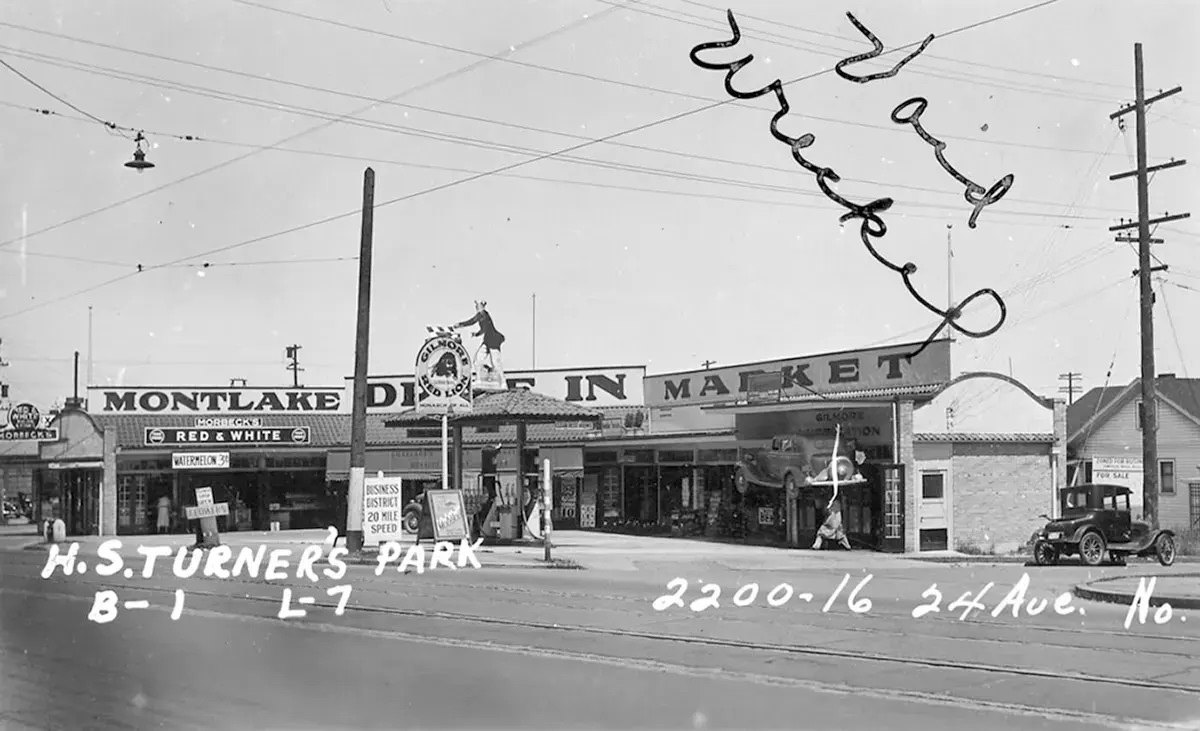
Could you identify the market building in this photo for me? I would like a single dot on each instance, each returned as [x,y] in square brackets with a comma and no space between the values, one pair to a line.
[280,456]
[1105,444]
[964,462]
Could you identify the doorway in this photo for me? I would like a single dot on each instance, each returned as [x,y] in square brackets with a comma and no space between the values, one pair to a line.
[933,510]
[80,490]
[893,508]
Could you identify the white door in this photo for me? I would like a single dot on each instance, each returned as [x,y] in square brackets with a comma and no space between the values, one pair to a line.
[933,510]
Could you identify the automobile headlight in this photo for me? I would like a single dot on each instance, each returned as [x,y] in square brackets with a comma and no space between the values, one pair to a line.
[1054,535]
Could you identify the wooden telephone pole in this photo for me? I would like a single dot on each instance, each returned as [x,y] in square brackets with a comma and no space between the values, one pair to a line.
[1074,386]
[293,353]
[1144,272]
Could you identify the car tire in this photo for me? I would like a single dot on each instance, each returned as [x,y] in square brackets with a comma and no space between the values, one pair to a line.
[1164,549]
[1092,548]
[412,520]
[1045,554]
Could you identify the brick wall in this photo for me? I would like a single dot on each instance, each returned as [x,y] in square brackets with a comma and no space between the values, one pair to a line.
[999,491]
[912,488]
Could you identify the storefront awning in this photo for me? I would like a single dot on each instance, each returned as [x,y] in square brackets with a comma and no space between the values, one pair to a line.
[827,401]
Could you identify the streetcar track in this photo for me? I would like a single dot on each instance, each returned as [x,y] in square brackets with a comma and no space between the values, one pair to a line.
[977,619]
[712,673]
[936,618]
[790,649]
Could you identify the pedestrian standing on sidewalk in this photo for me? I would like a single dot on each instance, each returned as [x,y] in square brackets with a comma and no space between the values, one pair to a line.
[164,514]
[831,529]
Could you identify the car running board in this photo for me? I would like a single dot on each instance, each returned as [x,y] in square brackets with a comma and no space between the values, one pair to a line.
[1131,547]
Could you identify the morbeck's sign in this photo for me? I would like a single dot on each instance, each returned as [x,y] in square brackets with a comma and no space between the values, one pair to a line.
[216,400]
[187,436]
[857,370]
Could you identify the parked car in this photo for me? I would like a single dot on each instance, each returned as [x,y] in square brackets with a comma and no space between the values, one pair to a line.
[783,464]
[1097,520]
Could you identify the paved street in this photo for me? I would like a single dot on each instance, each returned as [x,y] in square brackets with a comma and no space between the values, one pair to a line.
[509,647]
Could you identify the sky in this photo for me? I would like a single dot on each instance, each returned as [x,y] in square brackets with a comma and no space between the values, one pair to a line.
[686,234]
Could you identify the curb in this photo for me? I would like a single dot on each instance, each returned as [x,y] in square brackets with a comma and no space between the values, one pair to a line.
[1090,592]
[559,564]
[970,559]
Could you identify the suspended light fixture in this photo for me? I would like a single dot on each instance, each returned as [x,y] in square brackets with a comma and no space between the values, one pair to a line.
[139,162]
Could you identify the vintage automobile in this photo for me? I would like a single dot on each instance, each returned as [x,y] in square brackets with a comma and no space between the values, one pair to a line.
[791,462]
[784,464]
[1097,519]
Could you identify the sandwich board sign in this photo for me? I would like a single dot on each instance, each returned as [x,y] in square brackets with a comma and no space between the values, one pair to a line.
[449,515]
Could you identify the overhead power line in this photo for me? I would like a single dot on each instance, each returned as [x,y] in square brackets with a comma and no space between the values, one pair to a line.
[706,22]
[723,180]
[258,101]
[521,163]
[925,55]
[353,114]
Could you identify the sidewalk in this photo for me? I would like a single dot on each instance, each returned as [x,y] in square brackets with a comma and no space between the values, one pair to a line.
[569,549]
[1181,591]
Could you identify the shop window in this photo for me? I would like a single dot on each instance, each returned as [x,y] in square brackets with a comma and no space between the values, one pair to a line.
[305,462]
[677,456]
[144,464]
[423,432]
[1194,503]
[487,430]
[638,456]
[1166,476]
[529,462]
[243,461]
[710,456]
[599,457]
[933,486]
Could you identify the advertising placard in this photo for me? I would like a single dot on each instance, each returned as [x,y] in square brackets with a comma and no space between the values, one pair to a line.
[200,461]
[206,511]
[443,373]
[173,436]
[449,515]
[382,510]
[23,423]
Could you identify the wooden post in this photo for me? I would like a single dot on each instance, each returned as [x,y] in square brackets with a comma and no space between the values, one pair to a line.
[520,505]
[547,506]
[358,422]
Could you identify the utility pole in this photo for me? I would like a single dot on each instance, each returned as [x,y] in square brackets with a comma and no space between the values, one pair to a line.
[950,273]
[534,338]
[708,363]
[90,372]
[1144,272]
[1071,388]
[293,352]
[358,423]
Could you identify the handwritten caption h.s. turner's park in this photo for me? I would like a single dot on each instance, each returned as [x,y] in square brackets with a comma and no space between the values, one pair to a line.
[1014,602]
[254,563]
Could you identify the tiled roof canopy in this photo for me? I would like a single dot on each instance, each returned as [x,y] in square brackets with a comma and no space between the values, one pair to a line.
[511,406]
[980,437]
